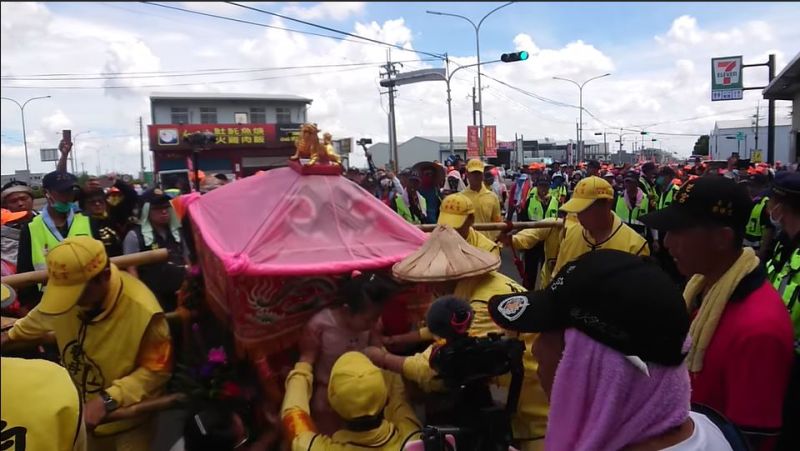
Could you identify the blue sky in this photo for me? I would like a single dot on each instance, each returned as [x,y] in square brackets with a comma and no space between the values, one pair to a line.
[658,54]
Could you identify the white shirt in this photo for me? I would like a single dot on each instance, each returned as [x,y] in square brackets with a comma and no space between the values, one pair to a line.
[706,437]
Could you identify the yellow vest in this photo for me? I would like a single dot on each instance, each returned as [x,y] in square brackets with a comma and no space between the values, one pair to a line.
[42,239]
[578,242]
[41,409]
[111,343]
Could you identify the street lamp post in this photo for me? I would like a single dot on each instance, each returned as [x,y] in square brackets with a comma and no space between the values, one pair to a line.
[580,107]
[605,144]
[24,135]
[478,51]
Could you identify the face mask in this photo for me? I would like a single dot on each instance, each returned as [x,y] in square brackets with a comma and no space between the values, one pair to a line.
[660,181]
[62,207]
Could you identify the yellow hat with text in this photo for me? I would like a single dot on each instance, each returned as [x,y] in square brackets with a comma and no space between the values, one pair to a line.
[454,210]
[70,266]
[356,387]
[586,192]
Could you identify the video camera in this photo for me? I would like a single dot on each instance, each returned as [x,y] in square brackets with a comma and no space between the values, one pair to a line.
[466,365]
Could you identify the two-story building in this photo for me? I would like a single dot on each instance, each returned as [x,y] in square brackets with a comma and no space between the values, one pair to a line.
[252,131]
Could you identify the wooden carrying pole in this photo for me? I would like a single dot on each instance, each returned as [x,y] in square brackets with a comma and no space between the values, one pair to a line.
[500,226]
[123,261]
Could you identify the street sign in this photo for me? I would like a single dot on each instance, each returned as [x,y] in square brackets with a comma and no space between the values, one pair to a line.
[472,141]
[415,76]
[490,140]
[756,157]
[726,78]
[740,136]
[49,154]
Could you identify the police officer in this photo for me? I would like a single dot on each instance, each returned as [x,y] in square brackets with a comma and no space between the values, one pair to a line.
[760,232]
[783,270]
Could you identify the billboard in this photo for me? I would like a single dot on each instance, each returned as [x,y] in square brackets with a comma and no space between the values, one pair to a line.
[49,155]
[726,78]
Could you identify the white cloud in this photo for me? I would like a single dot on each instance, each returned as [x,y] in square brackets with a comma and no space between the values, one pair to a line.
[336,11]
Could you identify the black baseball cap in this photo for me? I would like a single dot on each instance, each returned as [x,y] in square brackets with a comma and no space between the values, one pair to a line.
[623,301]
[786,184]
[155,197]
[709,200]
[60,181]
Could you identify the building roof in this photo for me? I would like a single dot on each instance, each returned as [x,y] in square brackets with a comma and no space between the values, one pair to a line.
[227,96]
[786,85]
[747,123]
[443,139]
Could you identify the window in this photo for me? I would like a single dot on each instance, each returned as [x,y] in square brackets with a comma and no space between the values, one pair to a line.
[283,115]
[208,115]
[179,115]
[240,118]
[258,116]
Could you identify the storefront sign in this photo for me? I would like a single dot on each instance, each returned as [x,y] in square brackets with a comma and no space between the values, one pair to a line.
[173,137]
[726,78]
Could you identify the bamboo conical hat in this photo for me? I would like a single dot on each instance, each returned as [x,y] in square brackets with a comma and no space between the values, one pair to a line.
[445,256]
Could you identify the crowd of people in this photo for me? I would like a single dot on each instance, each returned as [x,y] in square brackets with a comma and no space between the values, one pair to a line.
[658,307]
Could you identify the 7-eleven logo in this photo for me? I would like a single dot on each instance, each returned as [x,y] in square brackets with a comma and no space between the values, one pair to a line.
[727,72]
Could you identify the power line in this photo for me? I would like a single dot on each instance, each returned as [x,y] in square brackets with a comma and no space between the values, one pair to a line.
[184,73]
[334,30]
[186,84]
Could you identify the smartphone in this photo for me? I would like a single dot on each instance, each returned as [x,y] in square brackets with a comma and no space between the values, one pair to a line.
[66,136]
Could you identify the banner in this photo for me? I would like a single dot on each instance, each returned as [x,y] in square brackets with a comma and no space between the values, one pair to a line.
[472,141]
[490,140]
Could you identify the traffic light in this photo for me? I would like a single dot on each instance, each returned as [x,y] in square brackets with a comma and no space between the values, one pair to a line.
[512,57]
[643,133]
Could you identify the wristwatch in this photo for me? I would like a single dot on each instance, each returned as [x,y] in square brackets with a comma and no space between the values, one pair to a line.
[110,403]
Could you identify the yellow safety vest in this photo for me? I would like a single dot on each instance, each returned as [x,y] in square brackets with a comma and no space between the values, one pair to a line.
[42,239]
[404,211]
[108,348]
[535,210]
[786,281]
[41,408]
[667,196]
[559,192]
[630,216]
[755,227]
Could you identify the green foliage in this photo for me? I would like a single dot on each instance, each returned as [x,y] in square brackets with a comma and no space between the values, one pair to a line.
[701,146]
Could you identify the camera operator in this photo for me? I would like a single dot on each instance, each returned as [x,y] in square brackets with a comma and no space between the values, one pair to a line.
[612,361]
[453,267]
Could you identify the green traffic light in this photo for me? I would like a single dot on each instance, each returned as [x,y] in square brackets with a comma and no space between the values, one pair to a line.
[523,55]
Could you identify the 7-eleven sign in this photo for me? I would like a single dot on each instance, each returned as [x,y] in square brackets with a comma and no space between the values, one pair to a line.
[726,78]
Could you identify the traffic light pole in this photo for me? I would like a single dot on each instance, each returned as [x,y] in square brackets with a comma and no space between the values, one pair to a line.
[770,108]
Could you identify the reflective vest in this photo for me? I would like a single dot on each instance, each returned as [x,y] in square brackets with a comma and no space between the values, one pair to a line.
[755,228]
[667,197]
[404,211]
[649,191]
[786,281]
[630,216]
[559,192]
[536,211]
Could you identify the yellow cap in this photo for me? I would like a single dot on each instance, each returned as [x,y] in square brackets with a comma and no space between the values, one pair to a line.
[586,192]
[454,210]
[475,165]
[70,265]
[7,295]
[356,387]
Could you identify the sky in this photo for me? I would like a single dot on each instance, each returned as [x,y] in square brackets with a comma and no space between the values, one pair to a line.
[658,55]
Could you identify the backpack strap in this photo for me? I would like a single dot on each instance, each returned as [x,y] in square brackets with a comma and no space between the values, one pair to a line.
[729,430]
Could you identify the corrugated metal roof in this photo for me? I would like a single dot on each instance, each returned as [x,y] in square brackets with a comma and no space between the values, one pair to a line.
[747,123]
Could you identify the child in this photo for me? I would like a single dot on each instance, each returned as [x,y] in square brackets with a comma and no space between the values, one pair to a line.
[351,324]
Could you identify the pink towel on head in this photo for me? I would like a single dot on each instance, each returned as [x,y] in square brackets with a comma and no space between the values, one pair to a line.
[601,401]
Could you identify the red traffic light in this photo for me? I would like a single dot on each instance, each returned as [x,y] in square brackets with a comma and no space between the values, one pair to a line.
[512,57]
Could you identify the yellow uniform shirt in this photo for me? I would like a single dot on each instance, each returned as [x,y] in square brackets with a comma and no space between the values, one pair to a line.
[551,237]
[126,350]
[480,241]
[399,420]
[487,207]
[531,418]
[41,409]
[578,242]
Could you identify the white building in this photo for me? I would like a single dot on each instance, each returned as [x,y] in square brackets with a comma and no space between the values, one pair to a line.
[419,148]
[34,180]
[729,137]
[786,86]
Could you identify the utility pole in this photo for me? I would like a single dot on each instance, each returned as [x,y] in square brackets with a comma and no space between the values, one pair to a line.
[576,152]
[771,115]
[390,72]
[141,149]
[474,105]
[758,117]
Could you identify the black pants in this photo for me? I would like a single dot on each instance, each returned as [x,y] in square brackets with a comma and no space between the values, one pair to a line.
[533,258]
